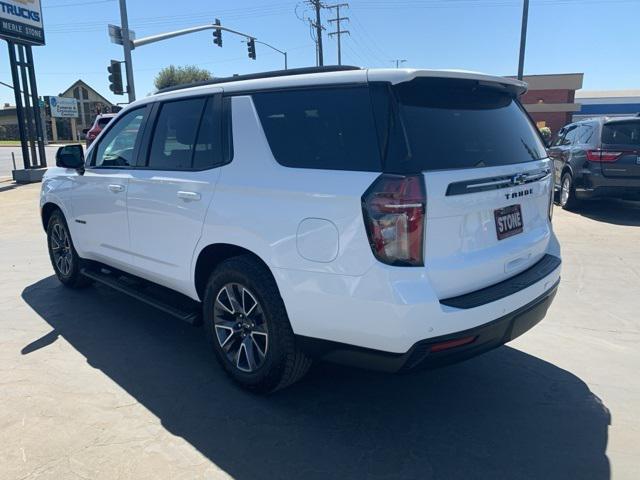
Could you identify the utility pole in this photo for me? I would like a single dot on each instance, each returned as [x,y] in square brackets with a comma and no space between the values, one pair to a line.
[339,32]
[523,38]
[126,44]
[398,62]
[318,25]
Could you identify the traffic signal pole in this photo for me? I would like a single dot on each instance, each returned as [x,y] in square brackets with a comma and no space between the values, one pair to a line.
[127,45]
[130,44]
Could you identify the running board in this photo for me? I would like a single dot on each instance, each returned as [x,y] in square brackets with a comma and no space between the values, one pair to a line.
[189,314]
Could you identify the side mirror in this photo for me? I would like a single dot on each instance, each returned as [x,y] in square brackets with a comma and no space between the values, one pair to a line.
[85,130]
[71,156]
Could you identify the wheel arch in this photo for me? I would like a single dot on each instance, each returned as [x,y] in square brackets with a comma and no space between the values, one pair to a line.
[212,255]
[46,211]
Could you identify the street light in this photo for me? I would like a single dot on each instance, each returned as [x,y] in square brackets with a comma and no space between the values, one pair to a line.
[276,49]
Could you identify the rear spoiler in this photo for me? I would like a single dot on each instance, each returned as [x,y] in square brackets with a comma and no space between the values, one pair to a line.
[396,76]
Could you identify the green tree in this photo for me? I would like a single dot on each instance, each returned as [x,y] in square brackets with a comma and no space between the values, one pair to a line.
[171,76]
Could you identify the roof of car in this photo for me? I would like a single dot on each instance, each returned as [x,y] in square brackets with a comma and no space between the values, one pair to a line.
[622,119]
[325,76]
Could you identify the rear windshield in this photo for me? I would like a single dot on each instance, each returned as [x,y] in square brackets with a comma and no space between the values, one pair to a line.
[622,133]
[450,123]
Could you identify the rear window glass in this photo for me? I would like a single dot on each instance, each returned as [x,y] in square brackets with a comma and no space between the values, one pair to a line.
[325,128]
[622,133]
[102,122]
[450,123]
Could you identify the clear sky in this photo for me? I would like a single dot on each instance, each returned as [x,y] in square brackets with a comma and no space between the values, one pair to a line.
[597,37]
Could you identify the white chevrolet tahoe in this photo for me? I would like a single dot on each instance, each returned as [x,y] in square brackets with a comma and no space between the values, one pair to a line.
[388,219]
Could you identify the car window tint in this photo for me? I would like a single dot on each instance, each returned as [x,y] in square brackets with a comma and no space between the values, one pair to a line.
[207,150]
[175,133]
[570,136]
[451,123]
[585,134]
[625,134]
[117,146]
[324,128]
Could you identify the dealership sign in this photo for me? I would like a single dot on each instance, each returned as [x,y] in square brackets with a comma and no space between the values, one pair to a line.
[63,107]
[21,21]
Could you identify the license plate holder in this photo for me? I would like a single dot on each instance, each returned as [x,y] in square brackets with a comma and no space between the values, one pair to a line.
[509,221]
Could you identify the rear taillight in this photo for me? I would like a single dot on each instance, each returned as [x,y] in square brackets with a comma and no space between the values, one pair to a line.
[394,209]
[603,155]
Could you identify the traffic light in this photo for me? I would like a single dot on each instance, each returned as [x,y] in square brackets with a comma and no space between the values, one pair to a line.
[251,46]
[217,34]
[115,77]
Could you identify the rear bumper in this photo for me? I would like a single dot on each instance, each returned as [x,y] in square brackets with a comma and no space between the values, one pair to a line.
[428,353]
[595,185]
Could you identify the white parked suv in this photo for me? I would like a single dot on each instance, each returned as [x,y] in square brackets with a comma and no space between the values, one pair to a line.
[388,219]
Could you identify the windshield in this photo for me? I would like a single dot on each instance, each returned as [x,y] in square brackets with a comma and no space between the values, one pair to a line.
[451,123]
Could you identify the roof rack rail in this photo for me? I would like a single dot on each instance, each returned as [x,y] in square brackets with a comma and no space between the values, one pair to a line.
[270,74]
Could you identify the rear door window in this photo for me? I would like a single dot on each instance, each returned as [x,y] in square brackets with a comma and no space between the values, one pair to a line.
[451,123]
[622,134]
[585,134]
[174,137]
[323,128]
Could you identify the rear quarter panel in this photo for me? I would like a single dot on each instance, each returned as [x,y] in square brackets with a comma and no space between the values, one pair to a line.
[259,204]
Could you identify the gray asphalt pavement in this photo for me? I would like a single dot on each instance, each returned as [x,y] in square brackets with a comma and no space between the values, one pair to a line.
[6,164]
[96,385]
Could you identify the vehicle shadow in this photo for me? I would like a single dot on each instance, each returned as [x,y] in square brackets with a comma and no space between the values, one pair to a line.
[503,415]
[609,210]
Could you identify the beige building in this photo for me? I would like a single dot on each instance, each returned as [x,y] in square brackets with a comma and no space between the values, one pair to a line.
[90,104]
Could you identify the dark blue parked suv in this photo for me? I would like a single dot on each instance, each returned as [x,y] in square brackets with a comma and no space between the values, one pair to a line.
[597,158]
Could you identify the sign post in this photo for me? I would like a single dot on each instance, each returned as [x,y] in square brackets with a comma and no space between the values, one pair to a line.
[21,26]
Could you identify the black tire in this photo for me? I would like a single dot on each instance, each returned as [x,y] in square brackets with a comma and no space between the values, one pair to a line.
[64,258]
[278,362]
[568,200]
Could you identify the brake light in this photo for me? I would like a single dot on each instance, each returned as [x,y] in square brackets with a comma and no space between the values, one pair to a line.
[603,155]
[394,209]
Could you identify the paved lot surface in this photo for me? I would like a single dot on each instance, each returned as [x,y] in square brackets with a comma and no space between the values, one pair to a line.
[6,164]
[95,385]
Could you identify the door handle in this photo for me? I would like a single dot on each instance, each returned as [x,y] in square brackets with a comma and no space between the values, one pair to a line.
[115,188]
[189,196]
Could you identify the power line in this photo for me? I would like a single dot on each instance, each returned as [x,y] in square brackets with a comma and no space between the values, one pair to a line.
[446,4]
[76,4]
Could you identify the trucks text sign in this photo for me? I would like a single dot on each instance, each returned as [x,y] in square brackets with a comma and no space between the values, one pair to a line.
[21,21]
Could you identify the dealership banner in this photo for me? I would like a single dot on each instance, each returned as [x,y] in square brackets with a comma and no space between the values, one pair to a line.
[21,21]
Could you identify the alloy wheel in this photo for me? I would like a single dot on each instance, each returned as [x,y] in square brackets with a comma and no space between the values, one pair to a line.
[241,327]
[566,189]
[61,249]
